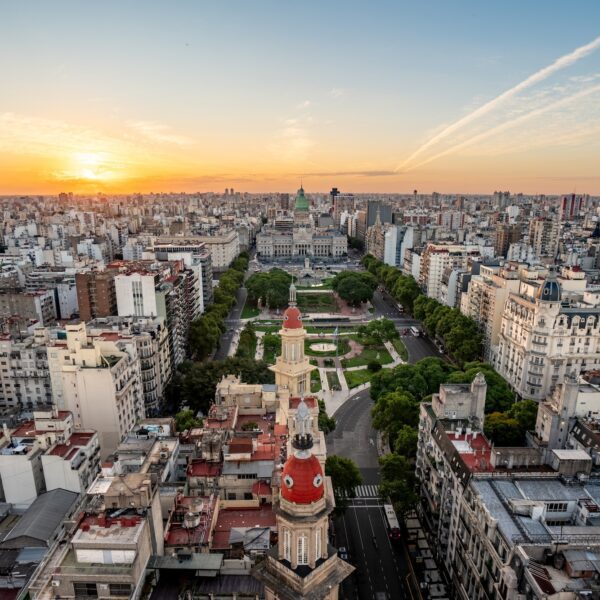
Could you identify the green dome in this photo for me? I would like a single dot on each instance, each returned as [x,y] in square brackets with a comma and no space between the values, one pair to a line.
[301,201]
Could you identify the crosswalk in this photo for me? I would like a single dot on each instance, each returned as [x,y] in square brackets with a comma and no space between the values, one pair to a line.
[367,491]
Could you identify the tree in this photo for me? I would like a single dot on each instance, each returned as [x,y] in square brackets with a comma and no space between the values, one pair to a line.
[374,366]
[354,292]
[525,412]
[247,342]
[345,476]
[186,420]
[326,423]
[394,410]
[399,482]
[405,443]
[273,287]
[199,380]
[503,429]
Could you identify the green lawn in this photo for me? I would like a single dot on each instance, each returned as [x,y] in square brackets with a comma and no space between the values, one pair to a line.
[261,326]
[342,344]
[249,312]
[356,378]
[315,382]
[332,378]
[378,353]
[400,348]
[341,329]
[316,302]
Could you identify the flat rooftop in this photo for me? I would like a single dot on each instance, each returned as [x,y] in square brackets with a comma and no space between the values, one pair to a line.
[71,448]
[474,451]
[101,529]
[241,518]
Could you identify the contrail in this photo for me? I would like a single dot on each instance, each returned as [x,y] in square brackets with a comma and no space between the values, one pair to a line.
[503,126]
[560,63]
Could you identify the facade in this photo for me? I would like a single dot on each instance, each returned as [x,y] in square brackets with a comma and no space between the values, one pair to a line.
[506,234]
[151,338]
[37,306]
[96,294]
[436,258]
[292,369]
[99,381]
[485,299]
[24,375]
[507,522]
[296,238]
[224,248]
[543,236]
[545,336]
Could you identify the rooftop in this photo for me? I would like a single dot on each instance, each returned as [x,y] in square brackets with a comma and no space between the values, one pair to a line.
[77,440]
[249,518]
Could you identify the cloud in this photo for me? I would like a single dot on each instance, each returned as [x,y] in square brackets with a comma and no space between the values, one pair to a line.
[305,104]
[158,132]
[365,173]
[337,92]
[508,125]
[560,63]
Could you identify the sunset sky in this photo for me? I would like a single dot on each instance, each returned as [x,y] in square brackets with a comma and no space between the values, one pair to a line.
[380,96]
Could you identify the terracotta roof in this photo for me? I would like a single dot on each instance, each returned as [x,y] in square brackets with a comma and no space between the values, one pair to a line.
[292,318]
[302,480]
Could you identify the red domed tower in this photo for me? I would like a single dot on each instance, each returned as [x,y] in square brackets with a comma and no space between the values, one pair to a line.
[303,510]
[292,369]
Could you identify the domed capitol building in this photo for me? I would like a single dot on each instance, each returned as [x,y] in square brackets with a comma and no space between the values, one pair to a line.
[299,237]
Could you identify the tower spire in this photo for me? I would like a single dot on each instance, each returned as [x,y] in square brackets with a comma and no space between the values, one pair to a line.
[292,300]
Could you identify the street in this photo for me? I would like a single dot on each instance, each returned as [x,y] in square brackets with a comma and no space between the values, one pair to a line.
[418,347]
[362,530]
[232,323]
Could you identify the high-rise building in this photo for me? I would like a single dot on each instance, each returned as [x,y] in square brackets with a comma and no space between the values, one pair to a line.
[506,234]
[99,381]
[96,293]
[543,236]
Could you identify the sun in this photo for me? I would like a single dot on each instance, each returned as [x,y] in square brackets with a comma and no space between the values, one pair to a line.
[92,165]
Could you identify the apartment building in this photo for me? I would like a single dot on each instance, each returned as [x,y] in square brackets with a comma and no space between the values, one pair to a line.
[545,335]
[164,289]
[111,544]
[505,522]
[224,248]
[99,381]
[544,236]
[96,293]
[29,307]
[24,375]
[151,337]
[485,298]
[436,258]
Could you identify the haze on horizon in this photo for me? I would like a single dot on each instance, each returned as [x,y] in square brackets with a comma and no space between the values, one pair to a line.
[197,96]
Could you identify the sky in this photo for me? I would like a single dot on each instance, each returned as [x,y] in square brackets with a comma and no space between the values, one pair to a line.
[195,96]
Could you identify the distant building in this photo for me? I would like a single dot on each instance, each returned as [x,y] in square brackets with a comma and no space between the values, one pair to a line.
[96,294]
[506,234]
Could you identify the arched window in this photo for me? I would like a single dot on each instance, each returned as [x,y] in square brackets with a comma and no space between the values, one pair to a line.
[318,544]
[287,545]
[302,558]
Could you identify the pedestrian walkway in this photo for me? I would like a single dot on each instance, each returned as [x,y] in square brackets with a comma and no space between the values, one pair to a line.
[367,491]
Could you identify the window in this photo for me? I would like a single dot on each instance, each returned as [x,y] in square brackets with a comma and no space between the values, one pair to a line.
[85,590]
[287,542]
[120,589]
[556,507]
[318,544]
[302,550]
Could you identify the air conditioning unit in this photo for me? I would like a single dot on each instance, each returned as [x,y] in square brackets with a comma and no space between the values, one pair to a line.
[55,583]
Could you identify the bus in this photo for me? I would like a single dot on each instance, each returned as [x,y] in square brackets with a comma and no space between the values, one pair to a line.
[392,522]
[415,331]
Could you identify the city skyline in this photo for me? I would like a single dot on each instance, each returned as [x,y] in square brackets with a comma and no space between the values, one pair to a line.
[456,99]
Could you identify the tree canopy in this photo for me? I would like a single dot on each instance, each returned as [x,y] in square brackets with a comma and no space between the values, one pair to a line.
[354,288]
[345,476]
[195,383]
[186,419]
[272,287]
